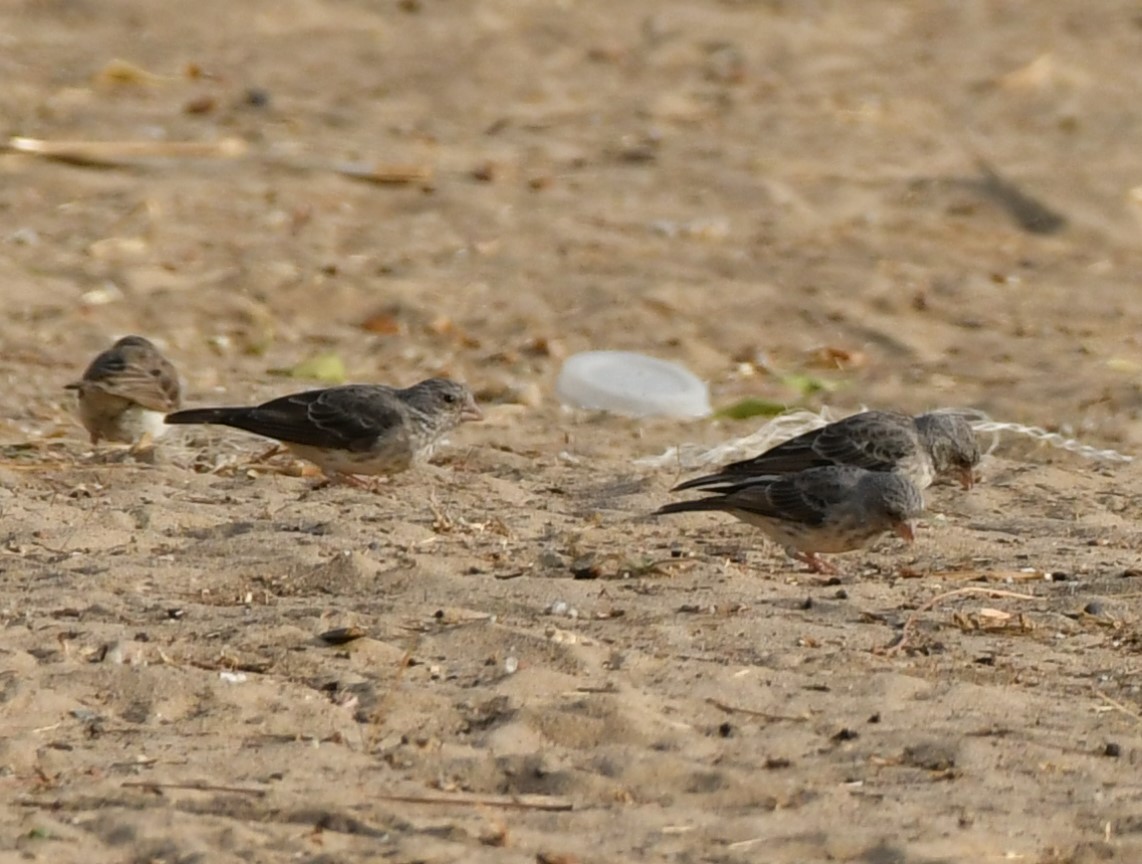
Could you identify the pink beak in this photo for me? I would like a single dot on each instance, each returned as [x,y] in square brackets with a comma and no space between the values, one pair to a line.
[904,531]
[471,411]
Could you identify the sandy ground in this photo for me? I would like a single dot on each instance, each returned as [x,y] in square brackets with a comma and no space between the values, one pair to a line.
[755,189]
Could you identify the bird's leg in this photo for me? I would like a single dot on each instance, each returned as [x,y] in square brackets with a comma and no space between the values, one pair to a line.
[146,442]
[369,484]
[272,451]
[815,563]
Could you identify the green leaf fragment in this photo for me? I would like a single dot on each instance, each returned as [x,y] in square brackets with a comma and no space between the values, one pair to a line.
[807,385]
[751,407]
[328,368]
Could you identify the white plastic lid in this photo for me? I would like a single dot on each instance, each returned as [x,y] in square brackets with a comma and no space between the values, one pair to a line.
[624,382]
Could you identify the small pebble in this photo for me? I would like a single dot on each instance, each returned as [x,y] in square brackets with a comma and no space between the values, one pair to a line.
[551,560]
[24,237]
[256,97]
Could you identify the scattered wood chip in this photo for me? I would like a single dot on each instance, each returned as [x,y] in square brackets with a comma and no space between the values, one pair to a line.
[384,175]
[114,153]
[342,635]
[994,614]
[384,323]
[120,73]
[828,357]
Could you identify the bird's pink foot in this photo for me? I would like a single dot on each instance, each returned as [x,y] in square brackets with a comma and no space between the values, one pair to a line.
[272,451]
[369,484]
[816,564]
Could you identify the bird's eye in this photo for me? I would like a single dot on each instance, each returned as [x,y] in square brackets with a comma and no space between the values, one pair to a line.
[451,398]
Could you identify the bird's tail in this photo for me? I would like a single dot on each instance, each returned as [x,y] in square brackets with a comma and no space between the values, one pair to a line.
[691,506]
[214,416]
[730,480]
[698,482]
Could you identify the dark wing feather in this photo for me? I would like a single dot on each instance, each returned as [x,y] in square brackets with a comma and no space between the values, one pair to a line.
[806,498]
[776,499]
[357,416]
[343,418]
[873,440]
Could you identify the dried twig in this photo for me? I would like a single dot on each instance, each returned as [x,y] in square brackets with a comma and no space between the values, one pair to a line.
[153,786]
[733,709]
[1125,709]
[973,575]
[910,624]
[230,664]
[518,802]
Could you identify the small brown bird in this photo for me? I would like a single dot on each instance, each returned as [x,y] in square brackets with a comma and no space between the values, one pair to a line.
[125,392]
[835,508]
[366,429]
[924,447]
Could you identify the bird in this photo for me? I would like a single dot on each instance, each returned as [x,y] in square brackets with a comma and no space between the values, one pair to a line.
[925,447]
[125,392]
[831,508]
[354,429]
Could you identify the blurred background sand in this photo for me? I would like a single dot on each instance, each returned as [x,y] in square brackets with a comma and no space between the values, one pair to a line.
[785,197]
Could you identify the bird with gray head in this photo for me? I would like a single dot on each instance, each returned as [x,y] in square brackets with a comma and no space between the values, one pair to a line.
[356,429]
[834,508]
[929,446]
[125,392]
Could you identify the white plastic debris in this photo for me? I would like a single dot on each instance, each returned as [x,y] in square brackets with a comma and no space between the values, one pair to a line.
[785,426]
[771,433]
[631,384]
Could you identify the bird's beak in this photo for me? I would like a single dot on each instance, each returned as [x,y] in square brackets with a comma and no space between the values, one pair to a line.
[967,477]
[904,531]
[471,411]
